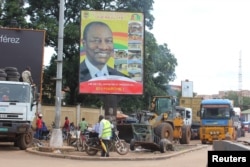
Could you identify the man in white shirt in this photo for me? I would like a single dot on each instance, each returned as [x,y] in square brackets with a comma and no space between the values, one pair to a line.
[26,76]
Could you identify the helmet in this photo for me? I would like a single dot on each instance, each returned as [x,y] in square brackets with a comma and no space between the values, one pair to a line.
[40,115]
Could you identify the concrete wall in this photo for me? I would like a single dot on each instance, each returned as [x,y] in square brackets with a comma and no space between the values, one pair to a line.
[91,115]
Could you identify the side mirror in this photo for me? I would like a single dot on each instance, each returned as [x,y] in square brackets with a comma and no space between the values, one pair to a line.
[232,113]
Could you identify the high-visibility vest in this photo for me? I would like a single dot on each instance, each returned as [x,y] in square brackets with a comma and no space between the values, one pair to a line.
[107,130]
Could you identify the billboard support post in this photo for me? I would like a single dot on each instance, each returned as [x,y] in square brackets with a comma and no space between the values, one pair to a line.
[110,107]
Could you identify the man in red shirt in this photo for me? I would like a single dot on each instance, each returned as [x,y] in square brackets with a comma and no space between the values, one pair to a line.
[66,124]
[39,125]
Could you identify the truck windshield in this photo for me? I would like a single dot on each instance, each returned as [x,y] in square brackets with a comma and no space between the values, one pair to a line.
[14,93]
[215,112]
[164,105]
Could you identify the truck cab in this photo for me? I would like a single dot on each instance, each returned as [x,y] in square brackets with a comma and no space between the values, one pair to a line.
[218,120]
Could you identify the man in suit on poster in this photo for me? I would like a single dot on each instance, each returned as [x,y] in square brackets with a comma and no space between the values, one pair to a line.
[99,47]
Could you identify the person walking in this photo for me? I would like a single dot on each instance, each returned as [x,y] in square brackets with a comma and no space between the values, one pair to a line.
[105,134]
[83,125]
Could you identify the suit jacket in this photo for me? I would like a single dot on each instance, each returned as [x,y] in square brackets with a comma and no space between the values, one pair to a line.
[85,74]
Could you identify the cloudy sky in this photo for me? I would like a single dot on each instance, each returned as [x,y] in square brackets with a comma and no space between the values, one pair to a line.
[207,37]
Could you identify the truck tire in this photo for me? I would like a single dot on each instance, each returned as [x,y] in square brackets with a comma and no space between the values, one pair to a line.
[165,131]
[203,142]
[4,75]
[13,74]
[10,69]
[25,140]
[186,135]
[2,78]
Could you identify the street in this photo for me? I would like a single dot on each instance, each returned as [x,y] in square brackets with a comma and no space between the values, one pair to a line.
[14,157]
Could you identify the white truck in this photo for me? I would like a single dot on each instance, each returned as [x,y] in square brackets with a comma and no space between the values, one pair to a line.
[17,113]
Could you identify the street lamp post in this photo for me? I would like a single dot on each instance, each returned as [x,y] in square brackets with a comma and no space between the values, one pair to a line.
[56,137]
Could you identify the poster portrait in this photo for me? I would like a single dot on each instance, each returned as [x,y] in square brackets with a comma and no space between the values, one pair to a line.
[111,53]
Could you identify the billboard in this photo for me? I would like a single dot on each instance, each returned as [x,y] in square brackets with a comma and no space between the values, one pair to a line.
[21,48]
[111,53]
[187,88]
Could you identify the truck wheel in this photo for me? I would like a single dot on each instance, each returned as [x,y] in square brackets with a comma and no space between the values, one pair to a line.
[10,69]
[164,131]
[25,140]
[132,145]
[203,142]
[186,135]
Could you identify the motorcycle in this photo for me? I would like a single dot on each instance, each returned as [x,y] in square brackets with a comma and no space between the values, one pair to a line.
[93,145]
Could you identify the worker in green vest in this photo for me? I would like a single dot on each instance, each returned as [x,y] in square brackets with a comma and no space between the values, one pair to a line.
[105,134]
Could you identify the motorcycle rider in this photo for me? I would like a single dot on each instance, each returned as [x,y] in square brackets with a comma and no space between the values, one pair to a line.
[105,134]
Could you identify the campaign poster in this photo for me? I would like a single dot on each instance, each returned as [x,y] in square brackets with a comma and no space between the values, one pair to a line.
[111,53]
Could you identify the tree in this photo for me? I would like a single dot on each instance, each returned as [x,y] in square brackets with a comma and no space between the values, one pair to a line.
[234,96]
[45,15]
[12,13]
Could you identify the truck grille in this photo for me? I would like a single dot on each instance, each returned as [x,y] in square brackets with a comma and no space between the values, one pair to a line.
[11,116]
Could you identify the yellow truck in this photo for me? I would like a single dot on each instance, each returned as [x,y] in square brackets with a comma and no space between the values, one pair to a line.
[194,104]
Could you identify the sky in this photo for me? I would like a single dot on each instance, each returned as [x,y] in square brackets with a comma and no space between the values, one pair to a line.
[209,39]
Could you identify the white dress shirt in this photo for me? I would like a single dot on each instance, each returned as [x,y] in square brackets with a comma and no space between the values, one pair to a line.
[95,72]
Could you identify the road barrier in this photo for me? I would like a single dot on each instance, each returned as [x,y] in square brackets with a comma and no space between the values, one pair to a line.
[225,145]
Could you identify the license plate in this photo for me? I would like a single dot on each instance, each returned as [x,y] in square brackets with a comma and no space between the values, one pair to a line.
[3,129]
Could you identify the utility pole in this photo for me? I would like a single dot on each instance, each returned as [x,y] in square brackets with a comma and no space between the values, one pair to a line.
[56,137]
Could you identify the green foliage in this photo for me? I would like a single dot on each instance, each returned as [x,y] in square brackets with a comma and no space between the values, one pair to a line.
[235,97]
[45,15]
[13,10]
